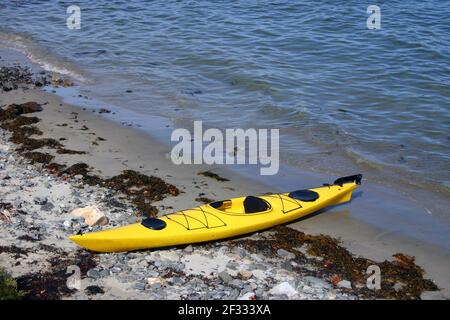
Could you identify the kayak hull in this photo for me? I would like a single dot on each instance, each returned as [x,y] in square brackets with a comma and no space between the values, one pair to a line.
[206,223]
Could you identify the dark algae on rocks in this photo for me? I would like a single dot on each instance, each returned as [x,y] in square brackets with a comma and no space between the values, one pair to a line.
[337,263]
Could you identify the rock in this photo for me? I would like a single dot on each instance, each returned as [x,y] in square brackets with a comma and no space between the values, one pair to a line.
[234,294]
[225,277]
[189,249]
[177,280]
[104,273]
[140,286]
[316,282]
[94,274]
[398,286]
[104,110]
[287,266]
[283,288]
[47,207]
[92,216]
[285,254]
[236,283]
[40,200]
[91,290]
[248,296]
[240,252]
[245,275]
[344,284]
[155,283]
[433,295]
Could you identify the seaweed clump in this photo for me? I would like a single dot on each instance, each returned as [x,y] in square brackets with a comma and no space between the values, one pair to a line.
[338,263]
[38,157]
[52,284]
[212,175]
[8,287]
[141,189]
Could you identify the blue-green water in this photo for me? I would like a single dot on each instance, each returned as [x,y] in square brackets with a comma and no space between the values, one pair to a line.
[346,98]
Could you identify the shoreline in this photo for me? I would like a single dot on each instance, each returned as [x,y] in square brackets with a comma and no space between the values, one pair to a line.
[123,148]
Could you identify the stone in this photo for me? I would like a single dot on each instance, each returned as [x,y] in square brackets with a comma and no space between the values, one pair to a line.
[153,281]
[92,216]
[245,274]
[317,282]
[398,286]
[140,286]
[285,254]
[248,296]
[40,200]
[94,274]
[344,284]
[177,280]
[236,283]
[225,277]
[433,295]
[47,207]
[189,249]
[287,266]
[67,223]
[283,288]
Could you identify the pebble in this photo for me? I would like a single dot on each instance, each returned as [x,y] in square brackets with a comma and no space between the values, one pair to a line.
[398,286]
[47,207]
[284,288]
[245,274]
[316,282]
[225,277]
[344,284]
[236,283]
[92,273]
[248,296]
[285,254]
[40,200]
[140,286]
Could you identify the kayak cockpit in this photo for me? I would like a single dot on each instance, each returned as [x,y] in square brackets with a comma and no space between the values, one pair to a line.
[246,205]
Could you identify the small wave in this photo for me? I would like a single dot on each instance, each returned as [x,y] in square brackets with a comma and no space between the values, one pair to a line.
[39,56]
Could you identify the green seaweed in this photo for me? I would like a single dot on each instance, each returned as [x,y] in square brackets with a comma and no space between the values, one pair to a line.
[8,287]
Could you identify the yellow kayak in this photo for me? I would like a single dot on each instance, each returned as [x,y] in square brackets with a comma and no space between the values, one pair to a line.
[220,219]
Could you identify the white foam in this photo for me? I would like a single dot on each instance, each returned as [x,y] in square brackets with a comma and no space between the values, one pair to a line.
[39,56]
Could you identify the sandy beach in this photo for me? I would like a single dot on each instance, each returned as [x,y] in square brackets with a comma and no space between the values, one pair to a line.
[314,258]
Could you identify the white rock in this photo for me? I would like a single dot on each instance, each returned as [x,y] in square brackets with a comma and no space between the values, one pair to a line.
[247,296]
[245,274]
[344,284]
[283,288]
[92,216]
[151,281]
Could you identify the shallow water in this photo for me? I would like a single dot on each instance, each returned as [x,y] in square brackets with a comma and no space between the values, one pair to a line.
[345,98]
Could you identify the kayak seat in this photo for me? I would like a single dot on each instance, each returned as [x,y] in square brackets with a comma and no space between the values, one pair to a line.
[304,195]
[255,204]
[153,223]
